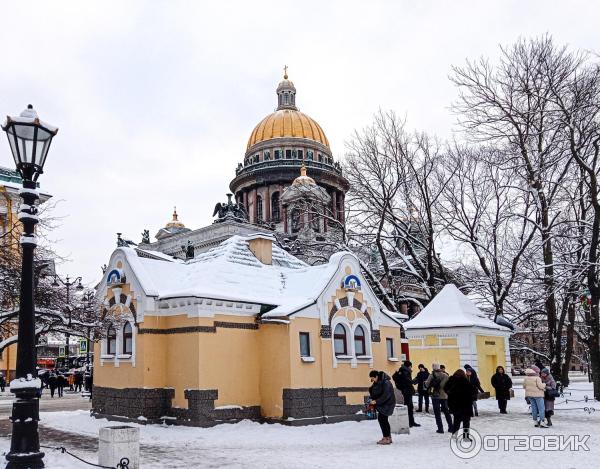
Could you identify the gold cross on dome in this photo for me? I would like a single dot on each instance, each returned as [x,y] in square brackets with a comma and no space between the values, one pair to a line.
[285,75]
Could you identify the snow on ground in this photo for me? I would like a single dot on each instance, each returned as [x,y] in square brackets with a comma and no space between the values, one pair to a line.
[350,444]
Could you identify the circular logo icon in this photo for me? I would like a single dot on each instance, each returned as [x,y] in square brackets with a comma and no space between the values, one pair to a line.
[466,444]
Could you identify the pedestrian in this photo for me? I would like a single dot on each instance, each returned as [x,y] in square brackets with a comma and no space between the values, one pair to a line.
[383,398]
[78,380]
[2,382]
[476,384]
[534,391]
[52,382]
[549,394]
[404,383]
[443,368]
[61,382]
[71,379]
[439,399]
[422,376]
[460,401]
[502,384]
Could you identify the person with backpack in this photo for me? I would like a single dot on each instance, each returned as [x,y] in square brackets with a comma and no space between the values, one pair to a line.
[439,399]
[404,382]
[422,376]
[383,398]
[502,384]
[476,385]
[534,392]
[460,401]
[550,393]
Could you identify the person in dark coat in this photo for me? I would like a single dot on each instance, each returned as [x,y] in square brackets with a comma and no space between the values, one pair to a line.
[383,398]
[52,382]
[2,382]
[550,383]
[404,382]
[502,384]
[460,401]
[61,382]
[476,384]
[78,381]
[539,364]
[422,376]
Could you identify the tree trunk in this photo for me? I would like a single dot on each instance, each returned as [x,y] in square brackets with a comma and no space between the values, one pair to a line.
[594,342]
[564,375]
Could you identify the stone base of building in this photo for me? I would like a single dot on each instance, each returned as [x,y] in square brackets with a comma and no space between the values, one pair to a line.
[300,407]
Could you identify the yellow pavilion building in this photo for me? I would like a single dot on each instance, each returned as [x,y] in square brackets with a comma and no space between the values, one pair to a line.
[451,330]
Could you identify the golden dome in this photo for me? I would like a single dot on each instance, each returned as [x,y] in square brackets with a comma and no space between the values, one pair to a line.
[287,123]
[175,223]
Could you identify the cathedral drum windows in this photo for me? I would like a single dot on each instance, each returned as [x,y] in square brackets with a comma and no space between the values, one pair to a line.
[275,208]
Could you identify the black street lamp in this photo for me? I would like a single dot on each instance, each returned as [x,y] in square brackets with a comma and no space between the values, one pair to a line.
[68,283]
[29,140]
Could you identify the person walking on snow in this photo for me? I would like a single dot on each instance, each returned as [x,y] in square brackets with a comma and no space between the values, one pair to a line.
[534,390]
[404,382]
[502,384]
[474,380]
[2,382]
[383,398]
[460,401]
[52,382]
[439,399]
[550,383]
[422,376]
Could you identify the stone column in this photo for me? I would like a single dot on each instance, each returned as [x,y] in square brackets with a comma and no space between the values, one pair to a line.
[342,207]
[285,220]
[255,210]
[267,207]
[334,204]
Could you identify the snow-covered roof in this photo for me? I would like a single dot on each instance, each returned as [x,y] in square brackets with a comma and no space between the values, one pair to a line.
[231,272]
[451,308]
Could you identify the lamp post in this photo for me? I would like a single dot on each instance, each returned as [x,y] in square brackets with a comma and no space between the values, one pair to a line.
[29,140]
[68,283]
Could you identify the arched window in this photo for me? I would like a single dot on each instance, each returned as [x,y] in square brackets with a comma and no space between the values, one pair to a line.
[127,339]
[360,344]
[286,98]
[111,341]
[340,342]
[275,210]
[259,208]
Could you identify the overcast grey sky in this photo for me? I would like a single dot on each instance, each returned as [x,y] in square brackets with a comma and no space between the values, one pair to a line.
[155,100]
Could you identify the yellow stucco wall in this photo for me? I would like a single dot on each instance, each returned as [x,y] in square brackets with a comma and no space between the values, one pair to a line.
[490,354]
[275,369]
[445,356]
[8,362]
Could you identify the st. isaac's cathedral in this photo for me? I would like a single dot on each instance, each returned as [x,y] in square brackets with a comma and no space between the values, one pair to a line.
[288,185]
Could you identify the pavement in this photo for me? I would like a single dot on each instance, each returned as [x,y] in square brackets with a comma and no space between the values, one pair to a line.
[69,401]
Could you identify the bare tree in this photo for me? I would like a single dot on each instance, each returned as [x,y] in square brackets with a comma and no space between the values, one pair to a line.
[396,180]
[484,210]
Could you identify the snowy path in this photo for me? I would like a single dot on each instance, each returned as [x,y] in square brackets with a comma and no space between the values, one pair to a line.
[348,445]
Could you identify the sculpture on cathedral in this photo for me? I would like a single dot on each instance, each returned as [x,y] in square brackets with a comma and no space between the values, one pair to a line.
[188,250]
[146,237]
[230,211]
[122,242]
